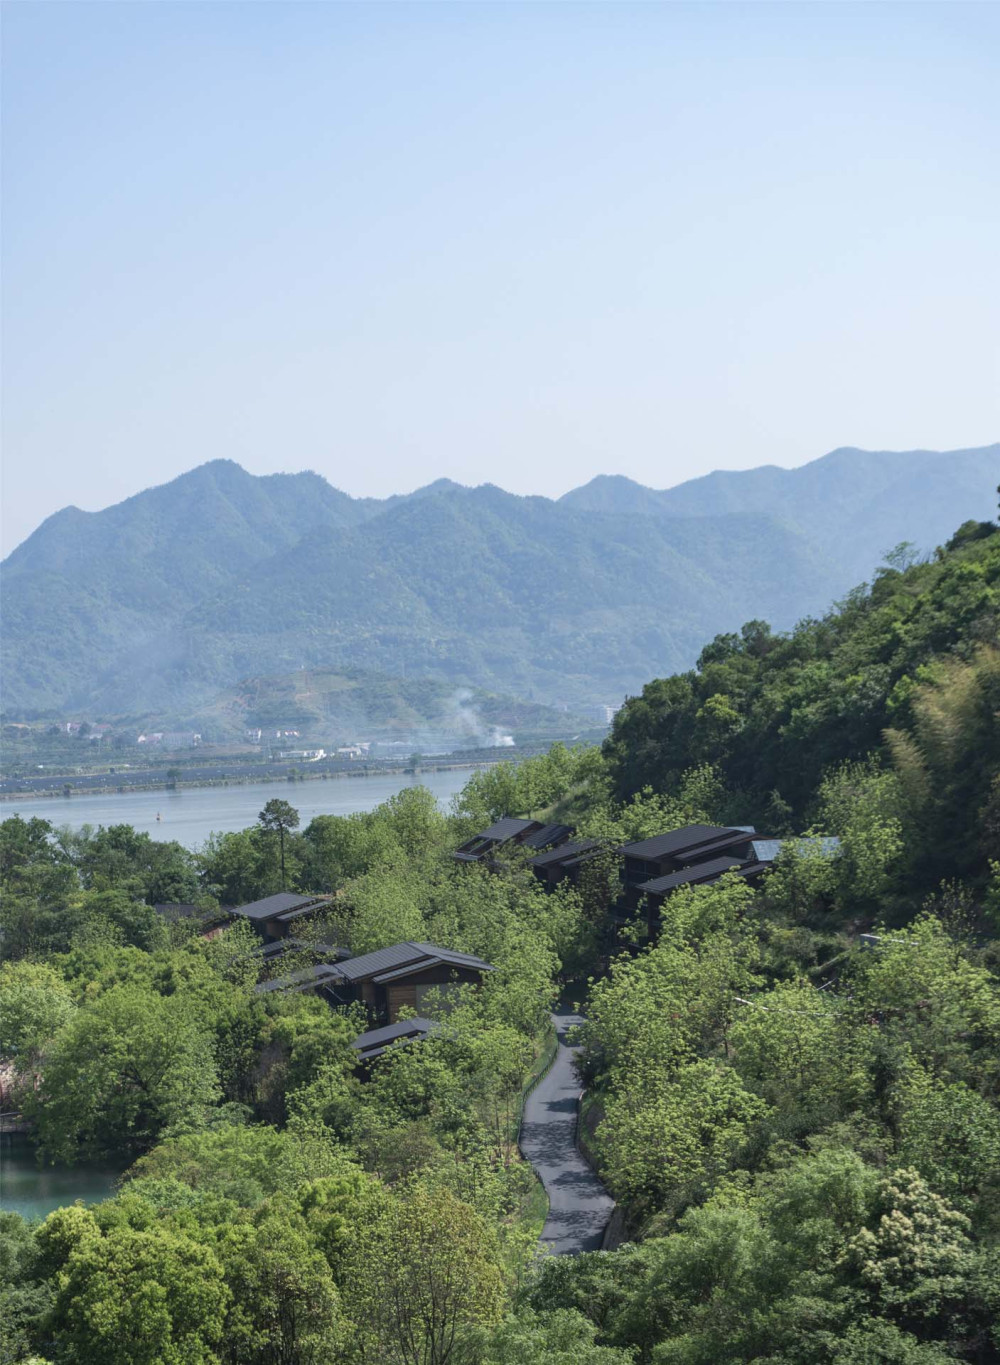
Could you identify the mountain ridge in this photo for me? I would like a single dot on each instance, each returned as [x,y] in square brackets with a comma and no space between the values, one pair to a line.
[185,588]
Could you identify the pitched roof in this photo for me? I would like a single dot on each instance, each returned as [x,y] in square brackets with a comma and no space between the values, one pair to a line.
[675,841]
[546,836]
[280,904]
[373,1043]
[700,872]
[404,955]
[564,852]
[301,979]
[508,828]
[730,839]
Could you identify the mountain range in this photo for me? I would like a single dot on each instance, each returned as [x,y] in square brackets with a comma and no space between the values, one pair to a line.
[165,600]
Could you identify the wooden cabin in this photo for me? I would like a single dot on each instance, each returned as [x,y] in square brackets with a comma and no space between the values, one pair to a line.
[410,976]
[275,917]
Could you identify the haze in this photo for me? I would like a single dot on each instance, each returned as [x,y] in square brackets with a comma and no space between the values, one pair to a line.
[507,243]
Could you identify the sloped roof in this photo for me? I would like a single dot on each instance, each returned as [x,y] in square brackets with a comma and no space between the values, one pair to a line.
[282,903]
[301,978]
[373,1043]
[546,836]
[700,872]
[404,955]
[508,828]
[564,852]
[676,841]
[730,839]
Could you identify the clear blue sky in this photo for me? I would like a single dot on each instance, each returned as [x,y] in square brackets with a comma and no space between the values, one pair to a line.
[516,243]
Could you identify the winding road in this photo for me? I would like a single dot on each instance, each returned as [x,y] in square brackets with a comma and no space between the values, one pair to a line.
[579,1205]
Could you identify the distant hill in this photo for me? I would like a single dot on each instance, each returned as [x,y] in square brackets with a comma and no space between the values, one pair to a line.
[353,705]
[853,505]
[165,600]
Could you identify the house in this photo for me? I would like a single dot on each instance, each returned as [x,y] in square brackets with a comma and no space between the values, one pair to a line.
[514,833]
[564,861]
[695,858]
[376,1041]
[405,975]
[649,859]
[699,874]
[274,916]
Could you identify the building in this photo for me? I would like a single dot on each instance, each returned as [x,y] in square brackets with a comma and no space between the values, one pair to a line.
[564,861]
[274,916]
[650,859]
[376,1041]
[700,874]
[405,975]
[510,832]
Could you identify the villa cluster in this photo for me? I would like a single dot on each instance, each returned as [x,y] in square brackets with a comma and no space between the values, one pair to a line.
[400,986]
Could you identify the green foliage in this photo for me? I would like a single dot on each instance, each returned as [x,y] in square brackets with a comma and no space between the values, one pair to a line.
[119,1072]
[913,653]
[140,1298]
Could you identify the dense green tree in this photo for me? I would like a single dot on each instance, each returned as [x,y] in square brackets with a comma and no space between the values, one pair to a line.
[119,1072]
[140,1298]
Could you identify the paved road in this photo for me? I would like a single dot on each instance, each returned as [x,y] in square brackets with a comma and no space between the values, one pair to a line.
[579,1205]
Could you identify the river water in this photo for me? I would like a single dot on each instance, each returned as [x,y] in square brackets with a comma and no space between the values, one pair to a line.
[34,1191]
[190,815]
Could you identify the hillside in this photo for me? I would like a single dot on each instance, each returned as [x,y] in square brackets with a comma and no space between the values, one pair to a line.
[907,671]
[351,705]
[165,600]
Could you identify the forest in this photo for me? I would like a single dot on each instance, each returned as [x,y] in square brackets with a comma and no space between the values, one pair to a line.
[792,1088]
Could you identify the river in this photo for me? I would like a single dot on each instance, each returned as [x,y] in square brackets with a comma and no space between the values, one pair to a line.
[34,1191]
[191,814]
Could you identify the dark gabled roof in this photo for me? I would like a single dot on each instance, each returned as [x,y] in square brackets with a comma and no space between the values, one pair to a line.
[382,960]
[317,903]
[509,828]
[563,853]
[269,951]
[675,841]
[547,836]
[411,969]
[454,957]
[404,956]
[730,839]
[281,904]
[701,872]
[377,1040]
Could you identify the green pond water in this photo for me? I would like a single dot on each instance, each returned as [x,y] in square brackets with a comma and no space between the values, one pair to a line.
[34,1191]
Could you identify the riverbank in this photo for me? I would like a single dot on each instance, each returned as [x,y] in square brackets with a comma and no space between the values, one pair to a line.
[190,814]
[256,776]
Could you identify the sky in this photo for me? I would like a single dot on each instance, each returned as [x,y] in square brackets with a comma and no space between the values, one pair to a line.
[512,243]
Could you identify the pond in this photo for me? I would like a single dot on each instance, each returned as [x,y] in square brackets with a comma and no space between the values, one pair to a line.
[34,1191]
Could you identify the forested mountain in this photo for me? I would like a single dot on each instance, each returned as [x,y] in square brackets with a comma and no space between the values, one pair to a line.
[164,600]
